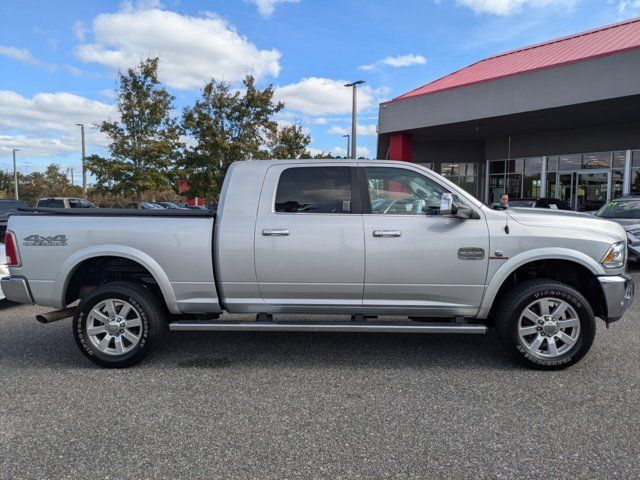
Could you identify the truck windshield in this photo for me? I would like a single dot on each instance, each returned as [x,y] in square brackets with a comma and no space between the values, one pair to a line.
[621,209]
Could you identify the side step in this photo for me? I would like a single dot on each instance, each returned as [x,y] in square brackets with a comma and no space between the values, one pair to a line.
[397,327]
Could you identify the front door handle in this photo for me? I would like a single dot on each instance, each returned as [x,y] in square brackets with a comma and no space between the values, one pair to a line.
[276,232]
[387,233]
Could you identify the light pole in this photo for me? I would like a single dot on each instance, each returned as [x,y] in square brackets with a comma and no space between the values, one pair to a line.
[353,115]
[348,142]
[15,174]
[84,154]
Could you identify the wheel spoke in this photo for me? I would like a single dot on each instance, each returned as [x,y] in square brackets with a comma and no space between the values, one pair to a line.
[131,337]
[98,315]
[524,331]
[566,338]
[96,330]
[104,343]
[124,311]
[544,306]
[111,308]
[551,346]
[529,315]
[559,311]
[134,322]
[570,322]
[119,345]
[536,342]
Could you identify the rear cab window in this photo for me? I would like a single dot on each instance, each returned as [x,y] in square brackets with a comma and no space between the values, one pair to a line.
[315,190]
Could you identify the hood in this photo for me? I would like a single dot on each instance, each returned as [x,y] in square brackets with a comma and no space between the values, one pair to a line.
[625,221]
[567,219]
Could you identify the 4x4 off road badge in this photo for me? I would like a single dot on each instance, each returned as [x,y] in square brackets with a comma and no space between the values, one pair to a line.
[42,241]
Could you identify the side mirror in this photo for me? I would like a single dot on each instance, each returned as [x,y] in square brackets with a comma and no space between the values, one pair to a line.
[450,205]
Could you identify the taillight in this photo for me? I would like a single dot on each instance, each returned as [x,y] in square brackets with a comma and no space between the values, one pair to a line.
[11,250]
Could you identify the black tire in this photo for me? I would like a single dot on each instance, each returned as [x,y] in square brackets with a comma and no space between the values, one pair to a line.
[148,308]
[519,298]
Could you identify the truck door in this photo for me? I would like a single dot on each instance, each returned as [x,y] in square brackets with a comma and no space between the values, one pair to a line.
[416,258]
[309,238]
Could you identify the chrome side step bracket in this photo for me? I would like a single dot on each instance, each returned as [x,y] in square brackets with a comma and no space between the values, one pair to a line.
[395,327]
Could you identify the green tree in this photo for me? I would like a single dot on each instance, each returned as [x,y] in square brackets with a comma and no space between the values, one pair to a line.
[50,183]
[144,141]
[6,184]
[287,141]
[227,125]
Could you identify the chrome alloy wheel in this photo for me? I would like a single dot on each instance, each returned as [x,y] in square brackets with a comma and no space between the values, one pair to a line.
[548,327]
[114,326]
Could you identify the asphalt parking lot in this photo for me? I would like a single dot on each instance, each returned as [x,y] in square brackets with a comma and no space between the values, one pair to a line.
[294,405]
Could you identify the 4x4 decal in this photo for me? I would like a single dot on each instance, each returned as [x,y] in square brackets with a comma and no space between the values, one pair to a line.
[42,241]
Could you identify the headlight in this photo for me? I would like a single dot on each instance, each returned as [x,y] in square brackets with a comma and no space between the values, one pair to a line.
[614,258]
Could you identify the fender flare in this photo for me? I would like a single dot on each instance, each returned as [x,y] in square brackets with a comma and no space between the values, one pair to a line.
[511,265]
[72,263]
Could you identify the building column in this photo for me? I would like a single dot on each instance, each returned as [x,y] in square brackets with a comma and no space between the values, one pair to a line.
[486,182]
[401,147]
[543,177]
[626,180]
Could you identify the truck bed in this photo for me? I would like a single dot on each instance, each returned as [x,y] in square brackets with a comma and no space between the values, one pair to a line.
[116,212]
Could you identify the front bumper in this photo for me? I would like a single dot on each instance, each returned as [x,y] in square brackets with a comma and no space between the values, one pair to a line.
[618,293]
[16,289]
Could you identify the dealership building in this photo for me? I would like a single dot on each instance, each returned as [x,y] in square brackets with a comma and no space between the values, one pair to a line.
[556,119]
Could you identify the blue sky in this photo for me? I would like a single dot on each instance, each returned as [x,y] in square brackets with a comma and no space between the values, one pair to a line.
[58,59]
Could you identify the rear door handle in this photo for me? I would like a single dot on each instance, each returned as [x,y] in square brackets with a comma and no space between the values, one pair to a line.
[276,232]
[387,233]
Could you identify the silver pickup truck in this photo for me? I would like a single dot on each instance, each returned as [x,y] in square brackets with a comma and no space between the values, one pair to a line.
[361,238]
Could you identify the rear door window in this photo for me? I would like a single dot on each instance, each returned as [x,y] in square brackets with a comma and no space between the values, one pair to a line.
[314,190]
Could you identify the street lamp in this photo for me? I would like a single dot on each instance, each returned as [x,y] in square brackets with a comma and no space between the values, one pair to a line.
[84,171]
[353,115]
[347,136]
[15,174]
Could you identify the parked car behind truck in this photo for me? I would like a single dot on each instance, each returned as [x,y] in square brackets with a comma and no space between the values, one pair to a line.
[362,238]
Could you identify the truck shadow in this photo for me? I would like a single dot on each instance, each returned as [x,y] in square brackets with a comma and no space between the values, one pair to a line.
[329,350]
[33,345]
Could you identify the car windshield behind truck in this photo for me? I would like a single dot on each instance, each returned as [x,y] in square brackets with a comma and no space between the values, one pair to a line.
[620,209]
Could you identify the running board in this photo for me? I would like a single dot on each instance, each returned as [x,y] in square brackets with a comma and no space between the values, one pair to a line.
[330,327]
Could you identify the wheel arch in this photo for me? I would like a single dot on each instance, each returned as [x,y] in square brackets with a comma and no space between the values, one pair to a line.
[94,263]
[574,268]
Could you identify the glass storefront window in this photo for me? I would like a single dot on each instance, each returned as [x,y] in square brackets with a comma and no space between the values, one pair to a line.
[619,159]
[616,182]
[635,181]
[462,174]
[496,166]
[551,185]
[533,164]
[635,158]
[514,185]
[596,160]
[531,185]
[496,187]
[569,162]
[552,164]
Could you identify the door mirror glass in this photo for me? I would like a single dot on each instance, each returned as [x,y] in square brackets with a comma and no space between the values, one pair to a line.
[446,204]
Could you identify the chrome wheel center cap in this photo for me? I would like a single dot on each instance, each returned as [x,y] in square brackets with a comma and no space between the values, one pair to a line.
[112,327]
[550,328]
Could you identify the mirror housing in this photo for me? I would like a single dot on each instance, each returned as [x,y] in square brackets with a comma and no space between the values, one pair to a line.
[451,205]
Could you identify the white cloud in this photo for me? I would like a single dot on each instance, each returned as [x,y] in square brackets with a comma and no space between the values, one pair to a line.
[20,54]
[325,96]
[627,6]
[192,50]
[508,7]
[79,30]
[360,130]
[267,7]
[45,123]
[397,61]
[341,151]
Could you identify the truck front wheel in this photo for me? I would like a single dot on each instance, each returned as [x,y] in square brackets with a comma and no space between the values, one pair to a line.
[545,324]
[118,324]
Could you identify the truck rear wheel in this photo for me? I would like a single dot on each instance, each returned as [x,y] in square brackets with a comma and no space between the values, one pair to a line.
[118,324]
[545,324]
